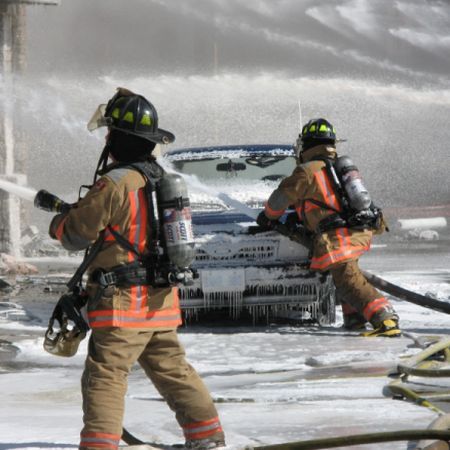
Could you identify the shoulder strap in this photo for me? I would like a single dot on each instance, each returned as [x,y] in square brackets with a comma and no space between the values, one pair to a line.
[89,257]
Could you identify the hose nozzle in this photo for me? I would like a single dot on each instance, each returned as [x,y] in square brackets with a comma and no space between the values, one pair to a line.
[49,202]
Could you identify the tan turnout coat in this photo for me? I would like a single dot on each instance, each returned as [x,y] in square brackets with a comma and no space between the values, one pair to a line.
[309,181]
[117,200]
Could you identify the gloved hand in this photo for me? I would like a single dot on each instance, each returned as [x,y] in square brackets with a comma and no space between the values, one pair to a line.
[265,223]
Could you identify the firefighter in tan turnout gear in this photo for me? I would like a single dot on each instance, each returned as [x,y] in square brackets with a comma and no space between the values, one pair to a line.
[131,319]
[341,223]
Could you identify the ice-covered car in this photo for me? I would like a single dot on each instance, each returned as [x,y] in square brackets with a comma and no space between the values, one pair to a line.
[264,275]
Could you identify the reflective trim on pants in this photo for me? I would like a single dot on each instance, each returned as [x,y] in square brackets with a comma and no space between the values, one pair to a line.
[201,430]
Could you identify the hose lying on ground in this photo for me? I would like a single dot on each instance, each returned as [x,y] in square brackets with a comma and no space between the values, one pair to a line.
[358,439]
[441,423]
[422,366]
[405,294]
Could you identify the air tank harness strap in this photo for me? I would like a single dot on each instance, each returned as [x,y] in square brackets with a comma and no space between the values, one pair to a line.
[331,223]
[89,257]
[125,275]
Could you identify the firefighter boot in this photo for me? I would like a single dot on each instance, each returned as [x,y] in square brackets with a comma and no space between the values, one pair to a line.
[204,444]
[388,328]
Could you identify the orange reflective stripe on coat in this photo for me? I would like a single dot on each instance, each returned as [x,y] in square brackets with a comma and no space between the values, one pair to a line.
[327,196]
[326,190]
[166,318]
[346,251]
[137,237]
[60,229]
[100,440]
[201,430]
[272,212]
[138,222]
[308,206]
[374,306]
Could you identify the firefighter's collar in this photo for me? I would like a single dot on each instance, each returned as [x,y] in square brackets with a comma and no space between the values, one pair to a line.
[324,151]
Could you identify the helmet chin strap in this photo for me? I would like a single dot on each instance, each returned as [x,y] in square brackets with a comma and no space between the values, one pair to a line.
[102,161]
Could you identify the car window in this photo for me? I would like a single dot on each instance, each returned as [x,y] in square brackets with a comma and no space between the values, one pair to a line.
[253,167]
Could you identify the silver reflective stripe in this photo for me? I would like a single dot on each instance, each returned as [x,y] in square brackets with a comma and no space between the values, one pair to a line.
[202,428]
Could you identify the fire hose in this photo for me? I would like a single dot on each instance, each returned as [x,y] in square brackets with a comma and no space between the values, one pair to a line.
[369,438]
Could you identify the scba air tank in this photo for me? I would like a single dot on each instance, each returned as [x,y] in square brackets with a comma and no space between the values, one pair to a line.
[358,196]
[175,215]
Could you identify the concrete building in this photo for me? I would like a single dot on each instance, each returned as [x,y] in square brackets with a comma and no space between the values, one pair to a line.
[12,150]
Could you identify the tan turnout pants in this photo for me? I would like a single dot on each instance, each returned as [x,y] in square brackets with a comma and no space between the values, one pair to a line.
[112,352]
[355,290]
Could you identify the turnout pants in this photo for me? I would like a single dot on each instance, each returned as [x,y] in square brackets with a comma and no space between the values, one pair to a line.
[112,352]
[360,295]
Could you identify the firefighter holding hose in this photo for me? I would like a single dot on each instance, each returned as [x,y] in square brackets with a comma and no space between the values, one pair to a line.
[133,308]
[335,208]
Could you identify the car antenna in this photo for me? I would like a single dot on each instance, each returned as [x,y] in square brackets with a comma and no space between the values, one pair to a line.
[300,114]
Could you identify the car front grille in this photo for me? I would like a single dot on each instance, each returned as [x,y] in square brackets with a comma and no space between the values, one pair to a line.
[241,254]
[263,299]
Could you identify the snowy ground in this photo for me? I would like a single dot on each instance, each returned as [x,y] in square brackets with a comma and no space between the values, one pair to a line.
[272,384]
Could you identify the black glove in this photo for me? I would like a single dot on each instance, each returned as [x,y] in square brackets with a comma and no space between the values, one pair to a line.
[265,223]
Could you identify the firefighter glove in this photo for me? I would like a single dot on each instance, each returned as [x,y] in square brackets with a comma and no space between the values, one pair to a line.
[265,223]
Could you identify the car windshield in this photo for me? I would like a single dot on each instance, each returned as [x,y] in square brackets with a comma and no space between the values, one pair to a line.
[247,173]
[249,168]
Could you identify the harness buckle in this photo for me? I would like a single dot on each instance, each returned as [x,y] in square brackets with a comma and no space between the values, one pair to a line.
[104,279]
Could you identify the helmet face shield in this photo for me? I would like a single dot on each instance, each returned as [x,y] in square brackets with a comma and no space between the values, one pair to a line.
[98,119]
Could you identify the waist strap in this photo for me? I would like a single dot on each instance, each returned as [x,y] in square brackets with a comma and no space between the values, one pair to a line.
[125,275]
[331,222]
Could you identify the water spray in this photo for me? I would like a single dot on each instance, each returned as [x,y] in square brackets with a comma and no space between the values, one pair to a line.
[41,199]
[21,191]
[195,183]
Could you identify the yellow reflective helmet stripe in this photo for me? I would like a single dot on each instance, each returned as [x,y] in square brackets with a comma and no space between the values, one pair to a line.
[116,113]
[129,117]
[323,128]
[146,120]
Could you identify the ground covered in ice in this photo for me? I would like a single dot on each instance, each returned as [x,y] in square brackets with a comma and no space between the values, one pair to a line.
[272,384]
